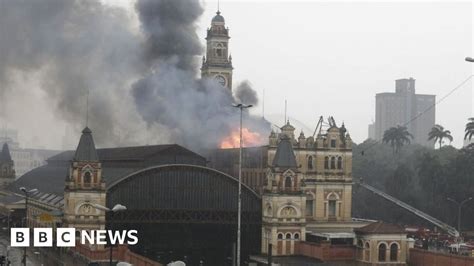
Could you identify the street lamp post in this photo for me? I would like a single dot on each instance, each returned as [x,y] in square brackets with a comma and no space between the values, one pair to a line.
[459,210]
[26,192]
[116,208]
[239,204]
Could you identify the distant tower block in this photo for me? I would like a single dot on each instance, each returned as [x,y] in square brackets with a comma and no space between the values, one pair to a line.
[217,63]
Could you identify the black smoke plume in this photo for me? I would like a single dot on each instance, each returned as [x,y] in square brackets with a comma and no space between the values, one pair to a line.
[144,85]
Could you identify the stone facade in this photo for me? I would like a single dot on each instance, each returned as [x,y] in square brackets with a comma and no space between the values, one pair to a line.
[308,183]
[217,63]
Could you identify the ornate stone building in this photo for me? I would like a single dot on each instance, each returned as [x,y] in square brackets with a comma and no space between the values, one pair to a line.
[85,187]
[308,188]
[217,63]
[7,169]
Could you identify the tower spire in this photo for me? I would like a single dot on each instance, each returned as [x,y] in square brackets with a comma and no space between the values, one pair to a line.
[87,108]
[218,7]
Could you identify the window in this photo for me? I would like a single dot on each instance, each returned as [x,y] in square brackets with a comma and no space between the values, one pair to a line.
[288,182]
[332,208]
[288,236]
[87,179]
[269,211]
[339,162]
[333,143]
[326,162]
[382,252]
[333,162]
[297,236]
[310,163]
[219,50]
[309,207]
[280,236]
[393,252]
[367,251]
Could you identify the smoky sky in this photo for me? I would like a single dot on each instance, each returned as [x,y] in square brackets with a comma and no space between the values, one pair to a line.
[142,83]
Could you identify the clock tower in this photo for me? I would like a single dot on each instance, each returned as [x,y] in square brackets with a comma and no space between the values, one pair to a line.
[84,187]
[217,63]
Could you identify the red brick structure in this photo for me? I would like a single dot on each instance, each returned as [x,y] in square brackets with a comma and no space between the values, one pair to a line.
[325,251]
[420,257]
[120,253]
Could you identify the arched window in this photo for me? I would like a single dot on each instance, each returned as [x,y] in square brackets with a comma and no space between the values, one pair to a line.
[269,210]
[288,182]
[360,250]
[339,162]
[297,236]
[87,178]
[219,50]
[280,236]
[326,162]
[310,163]
[333,162]
[288,236]
[382,252]
[367,251]
[393,252]
[332,201]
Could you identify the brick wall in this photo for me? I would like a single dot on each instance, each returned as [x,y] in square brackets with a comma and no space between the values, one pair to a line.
[324,251]
[419,257]
[120,253]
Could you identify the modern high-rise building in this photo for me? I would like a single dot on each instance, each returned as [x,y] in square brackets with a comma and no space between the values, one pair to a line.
[405,108]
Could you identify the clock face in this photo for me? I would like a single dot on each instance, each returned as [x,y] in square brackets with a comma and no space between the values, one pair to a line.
[220,79]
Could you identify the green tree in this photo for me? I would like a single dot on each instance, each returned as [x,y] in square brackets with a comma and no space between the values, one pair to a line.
[397,137]
[438,133]
[469,128]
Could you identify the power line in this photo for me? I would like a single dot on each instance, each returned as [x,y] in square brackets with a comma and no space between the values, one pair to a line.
[426,110]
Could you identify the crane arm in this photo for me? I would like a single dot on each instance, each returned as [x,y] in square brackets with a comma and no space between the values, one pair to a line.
[446,227]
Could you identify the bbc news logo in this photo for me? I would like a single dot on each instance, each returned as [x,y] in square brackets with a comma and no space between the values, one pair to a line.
[66,237]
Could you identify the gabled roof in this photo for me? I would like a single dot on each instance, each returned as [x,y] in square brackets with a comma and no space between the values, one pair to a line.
[381,228]
[5,154]
[86,149]
[285,157]
[136,153]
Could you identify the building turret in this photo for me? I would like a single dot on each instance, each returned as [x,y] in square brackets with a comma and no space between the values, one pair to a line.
[218,64]
[289,131]
[7,169]
[302,140]
[283,202]
[273,139]
[85,187]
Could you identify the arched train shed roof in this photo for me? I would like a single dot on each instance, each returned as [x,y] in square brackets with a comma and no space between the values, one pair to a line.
[181,187]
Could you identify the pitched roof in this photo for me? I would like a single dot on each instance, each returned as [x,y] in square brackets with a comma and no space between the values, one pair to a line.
[381,228]
[284,157]
[86,149]
[118,163]
[5,154]
[136,153]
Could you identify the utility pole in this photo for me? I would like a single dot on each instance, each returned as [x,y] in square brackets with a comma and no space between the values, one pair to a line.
[239,206]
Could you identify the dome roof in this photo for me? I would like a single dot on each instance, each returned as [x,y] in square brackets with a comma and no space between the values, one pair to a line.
[218,18]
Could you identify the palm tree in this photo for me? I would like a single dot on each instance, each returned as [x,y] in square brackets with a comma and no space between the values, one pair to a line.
[469,129]
[397,137]
[438,133]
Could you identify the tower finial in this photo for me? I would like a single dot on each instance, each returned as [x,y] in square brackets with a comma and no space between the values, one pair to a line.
[218,8]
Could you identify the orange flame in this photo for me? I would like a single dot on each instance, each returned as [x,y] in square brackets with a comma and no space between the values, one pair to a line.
[249,139]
